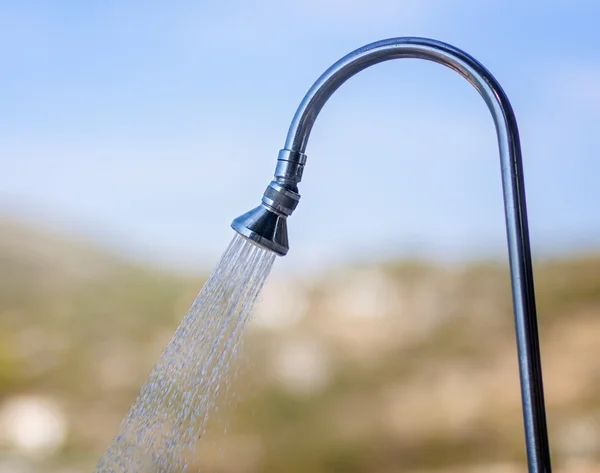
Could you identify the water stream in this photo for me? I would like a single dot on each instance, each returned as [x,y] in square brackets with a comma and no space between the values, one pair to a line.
[172,409]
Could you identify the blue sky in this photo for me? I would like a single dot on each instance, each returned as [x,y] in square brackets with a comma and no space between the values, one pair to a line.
[149,125]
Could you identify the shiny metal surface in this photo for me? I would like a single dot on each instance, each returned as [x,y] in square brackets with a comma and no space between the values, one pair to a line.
[281,198]
[264,227]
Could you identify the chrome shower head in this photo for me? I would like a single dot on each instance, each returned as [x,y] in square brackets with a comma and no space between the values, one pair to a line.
[266,225]
[265,228]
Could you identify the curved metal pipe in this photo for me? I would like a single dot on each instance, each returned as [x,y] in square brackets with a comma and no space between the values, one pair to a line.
[266,225]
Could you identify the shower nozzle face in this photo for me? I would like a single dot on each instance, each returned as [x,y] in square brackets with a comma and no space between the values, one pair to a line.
[265,228]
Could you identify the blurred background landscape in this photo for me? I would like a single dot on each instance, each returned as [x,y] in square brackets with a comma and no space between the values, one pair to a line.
[131,133]
[402,366]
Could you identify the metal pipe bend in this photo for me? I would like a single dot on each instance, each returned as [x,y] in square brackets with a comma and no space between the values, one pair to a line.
[292,160]
[398,48]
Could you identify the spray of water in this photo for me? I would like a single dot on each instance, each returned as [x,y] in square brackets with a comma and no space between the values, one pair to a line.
[172,409]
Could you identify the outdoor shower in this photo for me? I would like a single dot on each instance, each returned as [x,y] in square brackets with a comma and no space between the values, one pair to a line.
[266,225]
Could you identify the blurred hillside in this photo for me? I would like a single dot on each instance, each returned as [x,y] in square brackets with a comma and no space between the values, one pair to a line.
[403,366]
